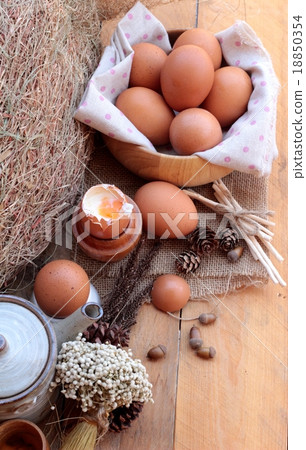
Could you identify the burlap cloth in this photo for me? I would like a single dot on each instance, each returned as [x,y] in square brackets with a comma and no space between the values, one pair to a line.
[216,275]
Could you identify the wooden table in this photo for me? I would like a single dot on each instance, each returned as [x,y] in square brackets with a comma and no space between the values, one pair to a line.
[238,400]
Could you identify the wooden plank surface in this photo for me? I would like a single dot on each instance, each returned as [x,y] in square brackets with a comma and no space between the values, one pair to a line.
[238,400]
[154,429]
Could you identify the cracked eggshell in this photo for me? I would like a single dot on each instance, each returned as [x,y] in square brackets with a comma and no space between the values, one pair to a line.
[107,210]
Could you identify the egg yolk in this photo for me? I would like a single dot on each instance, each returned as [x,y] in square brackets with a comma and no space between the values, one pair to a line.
[109,208]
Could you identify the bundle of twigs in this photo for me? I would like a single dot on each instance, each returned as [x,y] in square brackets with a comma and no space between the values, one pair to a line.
[48,52]
[251,226]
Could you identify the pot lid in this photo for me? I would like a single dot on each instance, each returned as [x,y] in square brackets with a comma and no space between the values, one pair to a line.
[24,347]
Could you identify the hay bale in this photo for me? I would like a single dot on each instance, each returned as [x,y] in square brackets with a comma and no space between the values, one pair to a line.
[48,51]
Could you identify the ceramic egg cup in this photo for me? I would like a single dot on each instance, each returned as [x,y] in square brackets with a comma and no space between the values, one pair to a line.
[110,249]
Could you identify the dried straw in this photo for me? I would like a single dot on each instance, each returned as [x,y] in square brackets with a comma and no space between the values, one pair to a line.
[48,52]
[82,437]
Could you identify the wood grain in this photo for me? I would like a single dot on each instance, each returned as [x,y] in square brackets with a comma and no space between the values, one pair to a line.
[154,429]
[179,170]
[175,14]
[238,400]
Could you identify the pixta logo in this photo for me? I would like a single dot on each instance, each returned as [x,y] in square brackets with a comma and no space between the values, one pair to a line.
[59,229]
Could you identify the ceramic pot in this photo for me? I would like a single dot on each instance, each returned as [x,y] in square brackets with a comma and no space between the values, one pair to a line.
[29,345]
[22,434]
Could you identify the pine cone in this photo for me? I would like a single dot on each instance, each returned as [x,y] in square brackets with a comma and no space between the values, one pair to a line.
[203,240]
[187,262]
[121,418]
[102,333]
[228,239]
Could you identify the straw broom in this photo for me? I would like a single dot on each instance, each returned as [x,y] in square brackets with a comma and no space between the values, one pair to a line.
[82,437]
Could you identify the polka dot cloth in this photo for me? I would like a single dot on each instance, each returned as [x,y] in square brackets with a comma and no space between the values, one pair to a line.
[248,146]
[111,77]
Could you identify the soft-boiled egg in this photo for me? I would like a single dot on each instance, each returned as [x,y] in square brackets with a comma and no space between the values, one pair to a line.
[107,211]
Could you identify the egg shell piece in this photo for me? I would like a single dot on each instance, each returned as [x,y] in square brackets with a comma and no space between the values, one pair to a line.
[229,95]
[148,111]
[186,77]
[204,39]
[170,292]
[194,130]
[148,60]
[61,287]
[167,212]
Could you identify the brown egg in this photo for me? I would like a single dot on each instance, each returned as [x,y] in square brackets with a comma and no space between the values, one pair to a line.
[230,94]
[148,60]
[61,287]
[186,77]
[194,130]
[148,111]
[170,293]
[167,212]
[204,39]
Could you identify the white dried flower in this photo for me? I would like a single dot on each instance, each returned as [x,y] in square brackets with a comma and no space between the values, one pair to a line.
[100,375]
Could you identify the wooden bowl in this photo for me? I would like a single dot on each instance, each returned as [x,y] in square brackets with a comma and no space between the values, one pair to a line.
[179,170]
[22,434]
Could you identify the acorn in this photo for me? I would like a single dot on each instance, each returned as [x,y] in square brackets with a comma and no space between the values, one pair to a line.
[157,352]
[204,318]
[206,352]
[234,255]
[207,318]
[195,340]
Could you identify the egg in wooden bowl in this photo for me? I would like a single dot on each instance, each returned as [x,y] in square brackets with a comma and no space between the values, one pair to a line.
[181,170]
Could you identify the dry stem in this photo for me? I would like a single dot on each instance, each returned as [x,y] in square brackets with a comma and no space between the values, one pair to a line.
[249,224]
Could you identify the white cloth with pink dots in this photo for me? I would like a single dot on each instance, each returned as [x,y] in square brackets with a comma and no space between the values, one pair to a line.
[250,143]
